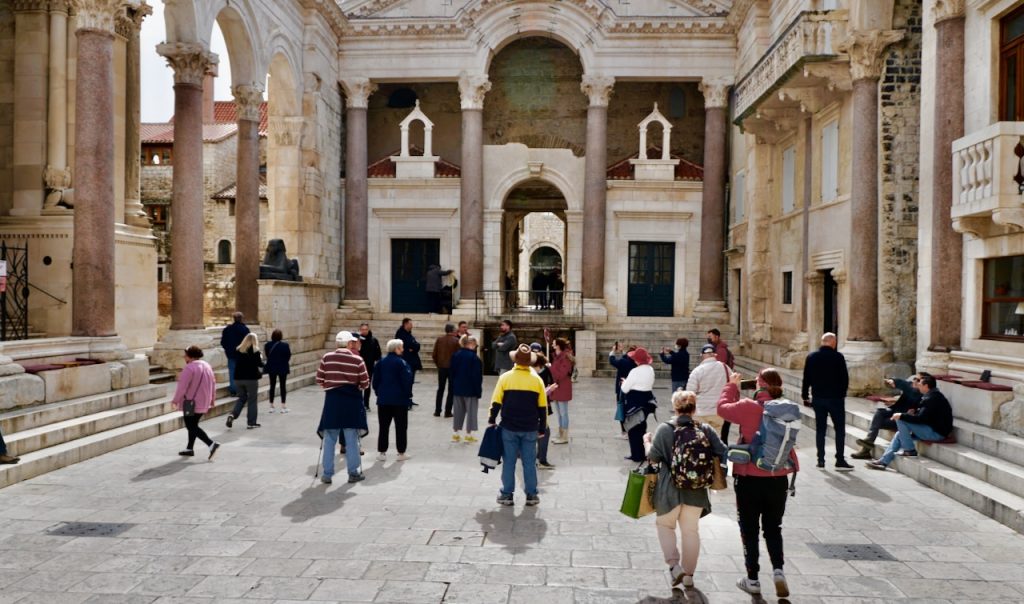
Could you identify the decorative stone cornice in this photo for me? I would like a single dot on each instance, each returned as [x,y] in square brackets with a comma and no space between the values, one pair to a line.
[96,14]
[248,100]
[358,91]
[739,11]
[689,26]
[948,9]
[472,88]
[866,49]
[715,91]
[190,61]
[30,6]
[59,6]
[598,89]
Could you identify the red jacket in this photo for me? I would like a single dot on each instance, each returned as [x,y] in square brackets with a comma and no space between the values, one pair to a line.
[561,372]
[746,413]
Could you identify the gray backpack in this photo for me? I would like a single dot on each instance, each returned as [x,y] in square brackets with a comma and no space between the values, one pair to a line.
[775,439]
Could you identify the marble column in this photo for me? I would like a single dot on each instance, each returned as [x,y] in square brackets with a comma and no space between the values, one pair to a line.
[28,155]
[57,175]
[472,88]
[598,89]
[866,62]
[248,100]
[134,214]
[190,62]
[357,95]
[93,279]
[948,125]
[712,221]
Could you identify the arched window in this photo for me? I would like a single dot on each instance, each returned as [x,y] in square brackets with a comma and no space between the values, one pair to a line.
[402,98]
[224,252]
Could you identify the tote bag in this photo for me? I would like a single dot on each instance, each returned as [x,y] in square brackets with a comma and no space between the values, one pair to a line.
[636,503]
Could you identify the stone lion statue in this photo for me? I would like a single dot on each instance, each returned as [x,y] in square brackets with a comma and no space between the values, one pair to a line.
[277,265]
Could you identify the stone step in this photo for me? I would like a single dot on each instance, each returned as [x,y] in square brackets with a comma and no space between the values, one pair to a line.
[42,415]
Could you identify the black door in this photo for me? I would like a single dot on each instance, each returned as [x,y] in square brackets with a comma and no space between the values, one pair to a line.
[831,302]
[409,261]
[651,279]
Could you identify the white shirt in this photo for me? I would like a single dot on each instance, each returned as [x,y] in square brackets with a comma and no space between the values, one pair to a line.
[707,381]
[640,378]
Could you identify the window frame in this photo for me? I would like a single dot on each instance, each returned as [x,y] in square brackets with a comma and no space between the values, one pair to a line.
[1008,49]
[987,301]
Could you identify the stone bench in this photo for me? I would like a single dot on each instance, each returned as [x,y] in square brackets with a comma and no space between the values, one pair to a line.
[973,400]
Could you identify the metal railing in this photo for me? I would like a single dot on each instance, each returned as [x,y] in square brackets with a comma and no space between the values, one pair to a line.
[529,306]
[14,293]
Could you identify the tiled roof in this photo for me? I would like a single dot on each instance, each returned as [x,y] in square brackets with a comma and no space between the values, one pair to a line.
[385,168]
[231,191]
[685,170]
[224,125]
[224,113]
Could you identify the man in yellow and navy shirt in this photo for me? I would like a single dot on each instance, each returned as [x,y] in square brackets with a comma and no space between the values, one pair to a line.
[519,397]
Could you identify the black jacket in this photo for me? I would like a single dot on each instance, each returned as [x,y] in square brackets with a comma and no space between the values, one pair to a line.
[231,338]
[909,398]
[623,365]
[934,412]
[279,356]
[679,361]
[825,374]
[370,351]
[410,349]
[250,365]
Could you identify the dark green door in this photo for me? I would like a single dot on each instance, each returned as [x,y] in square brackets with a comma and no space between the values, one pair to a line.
[651,278]
[409,261]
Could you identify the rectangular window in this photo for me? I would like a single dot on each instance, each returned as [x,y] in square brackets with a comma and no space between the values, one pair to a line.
[787,287]
[788,179]
[830,161]
[739,186]
[1011,67]
[1003,298]
[231,207]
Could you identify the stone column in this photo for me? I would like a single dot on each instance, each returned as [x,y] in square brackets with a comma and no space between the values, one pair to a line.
[248,100]
[472,88]
[190,62]
[947,244]
[31,50]
[866,62]
[93,282]
[595,188]
[712,222]
[133,212]
[357,94]
[57,175]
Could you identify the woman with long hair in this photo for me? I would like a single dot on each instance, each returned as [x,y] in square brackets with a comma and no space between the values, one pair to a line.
[248,371]
[562,364]
[194,396]
[279,355]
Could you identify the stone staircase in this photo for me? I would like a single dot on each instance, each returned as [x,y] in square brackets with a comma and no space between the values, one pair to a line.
[426,327]
[984,470]
[654,334]
[52,436]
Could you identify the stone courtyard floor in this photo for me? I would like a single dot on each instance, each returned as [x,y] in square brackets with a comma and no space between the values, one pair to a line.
[255,524]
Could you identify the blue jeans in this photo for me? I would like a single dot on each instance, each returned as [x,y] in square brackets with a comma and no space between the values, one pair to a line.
[519,445]
[905,434]
[351,450]
[677,386]
[231,376]
[562,411]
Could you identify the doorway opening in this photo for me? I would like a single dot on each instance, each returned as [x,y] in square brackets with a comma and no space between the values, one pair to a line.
[651,278]
[410,260]
[534,240]
[830,304]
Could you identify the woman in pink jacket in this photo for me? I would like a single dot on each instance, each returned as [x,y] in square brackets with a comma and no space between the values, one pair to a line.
[197,384]
[561,372]
[760,494]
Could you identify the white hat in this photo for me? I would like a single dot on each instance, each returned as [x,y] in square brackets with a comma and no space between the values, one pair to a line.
[343,338]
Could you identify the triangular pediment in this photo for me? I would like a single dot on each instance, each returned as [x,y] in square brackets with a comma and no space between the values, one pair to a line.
[403,9]
[413,9]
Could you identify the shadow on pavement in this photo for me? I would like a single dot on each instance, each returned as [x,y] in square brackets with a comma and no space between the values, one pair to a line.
[315,500]
[851,484]
[172,467]
[681,596]
[514,532]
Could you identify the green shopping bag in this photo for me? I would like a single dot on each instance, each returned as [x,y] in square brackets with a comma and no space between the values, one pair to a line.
[636,503]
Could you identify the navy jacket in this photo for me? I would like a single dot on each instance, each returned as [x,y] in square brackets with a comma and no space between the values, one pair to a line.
[825,374]
[679,361]
[623,366]
[343,408]
[392,382]
[370,351]
[231,337]
[279,355]
[410,348]
[467,374]
[491,448]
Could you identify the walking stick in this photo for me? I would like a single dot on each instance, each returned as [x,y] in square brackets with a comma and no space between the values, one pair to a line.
[319,458]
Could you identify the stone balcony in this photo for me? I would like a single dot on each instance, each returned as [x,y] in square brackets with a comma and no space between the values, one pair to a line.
[988,180]
[804,54]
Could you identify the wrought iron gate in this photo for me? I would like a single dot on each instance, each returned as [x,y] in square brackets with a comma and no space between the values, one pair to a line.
[14,293]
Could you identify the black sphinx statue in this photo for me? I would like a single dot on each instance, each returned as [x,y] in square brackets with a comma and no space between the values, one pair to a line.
[277,265]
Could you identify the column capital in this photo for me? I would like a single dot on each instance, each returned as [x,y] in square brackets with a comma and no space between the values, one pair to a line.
[948,9]
[30,6]
[59,6]
[715,91]
[358,91]
[190,61]
[598,88]
[96,14]
[248,100]
[472,88]
[866,50]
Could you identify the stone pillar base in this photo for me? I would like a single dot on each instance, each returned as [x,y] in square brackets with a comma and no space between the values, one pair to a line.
[799,347]
[356,305]
[57,211]
[712,311]
[17,388]
[169,352]
[108,349]
[594,310]
[586,352]
[935,363]
[869,363]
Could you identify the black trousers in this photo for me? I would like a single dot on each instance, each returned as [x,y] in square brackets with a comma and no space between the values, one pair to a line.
[434,301]
[398,413]
[366,393]
[881,420]
[825,408]
[194,431]
[636,442]
[274,377]
[725,432]
[761,500]
[443,379]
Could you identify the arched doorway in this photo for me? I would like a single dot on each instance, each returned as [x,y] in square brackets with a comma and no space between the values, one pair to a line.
[533,220]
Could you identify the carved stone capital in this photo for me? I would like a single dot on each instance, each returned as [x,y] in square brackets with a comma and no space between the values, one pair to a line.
[472,88]
[137,13]
[190,61]
[715,91]
[96,14]
[248,100]
[358,91]
[30,6]
[866,49]
[59,6]
[948,9]
[598,89]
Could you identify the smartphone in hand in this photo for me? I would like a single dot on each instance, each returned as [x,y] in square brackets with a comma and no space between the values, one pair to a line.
[748,384]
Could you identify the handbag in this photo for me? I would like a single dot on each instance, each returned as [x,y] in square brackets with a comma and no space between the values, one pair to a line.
[718,482]
[188,405]
[636,502]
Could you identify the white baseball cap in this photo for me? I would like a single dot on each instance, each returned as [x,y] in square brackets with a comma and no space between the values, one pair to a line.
[344,337]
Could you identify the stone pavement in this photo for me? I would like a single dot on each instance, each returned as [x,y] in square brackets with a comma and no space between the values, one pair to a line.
[254,524]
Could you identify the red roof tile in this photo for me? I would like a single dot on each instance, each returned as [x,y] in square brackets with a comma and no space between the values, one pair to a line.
[685,170]
[224,125]
[385,168]
[224,113]
[231,191]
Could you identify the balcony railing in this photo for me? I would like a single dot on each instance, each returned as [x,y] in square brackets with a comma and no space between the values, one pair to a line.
[529,306]
[988,178]
[812,36]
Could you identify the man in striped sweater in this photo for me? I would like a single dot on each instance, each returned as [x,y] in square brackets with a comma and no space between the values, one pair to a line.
[342,374]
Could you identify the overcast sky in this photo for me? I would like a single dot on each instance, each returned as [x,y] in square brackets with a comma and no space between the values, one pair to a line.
[157,77]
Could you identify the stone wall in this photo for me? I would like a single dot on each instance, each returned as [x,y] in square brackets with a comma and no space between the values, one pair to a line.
[304,312]
[681,103]
[6,105]
[439,101]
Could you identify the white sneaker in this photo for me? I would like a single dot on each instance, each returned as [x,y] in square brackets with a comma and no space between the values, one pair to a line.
[284,409]
[688,581]
[676,572]
[381,457]
[272,410]
[749,586]
[404,457]
[781,587]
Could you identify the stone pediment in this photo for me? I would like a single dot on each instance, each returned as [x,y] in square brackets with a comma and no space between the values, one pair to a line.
[413,9]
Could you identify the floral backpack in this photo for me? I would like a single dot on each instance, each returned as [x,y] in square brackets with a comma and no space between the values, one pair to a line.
[693,458]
